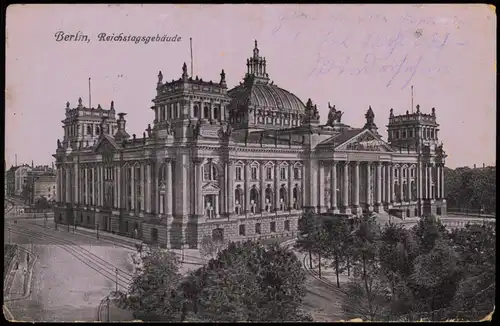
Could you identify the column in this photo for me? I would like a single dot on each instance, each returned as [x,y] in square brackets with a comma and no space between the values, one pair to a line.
[115,186]
[429,181]
[345,188]
[168,188]
[290,185]
[77,183]
[230,186]
[391,183]
[356,184]
[368,185]
[217,206]
[262,188]
[246,195]
[442,182]
[157,168]
[132,187]
[379,184]
[148,187]
[408,177]
[401,197]
[384,183]
[333,187]
[68,184]
[276,186]
[86,177]
[438,181]
[142,187]
[321,185]
[93,183]
[58,180]
[99,185]
[419,176]
[119,186]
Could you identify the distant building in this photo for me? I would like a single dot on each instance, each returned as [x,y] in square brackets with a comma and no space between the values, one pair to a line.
[237,164]
[21,179]
[41,183]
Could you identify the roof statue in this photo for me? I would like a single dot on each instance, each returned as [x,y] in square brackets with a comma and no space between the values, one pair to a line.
[112,106]
[184,71]
[149,130]
[418,108]
[391,114]
[433,112]
[79,102]
[67,105]
[59,144]
[334,115]
[222,77]
[160,77]
[370,116]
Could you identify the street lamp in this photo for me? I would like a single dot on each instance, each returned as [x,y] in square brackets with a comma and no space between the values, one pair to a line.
[107,303]
[116,280]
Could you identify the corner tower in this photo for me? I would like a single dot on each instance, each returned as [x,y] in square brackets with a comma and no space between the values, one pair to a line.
[186,99]
[82,125]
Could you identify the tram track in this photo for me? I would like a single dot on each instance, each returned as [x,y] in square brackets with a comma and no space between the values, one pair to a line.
[99,265]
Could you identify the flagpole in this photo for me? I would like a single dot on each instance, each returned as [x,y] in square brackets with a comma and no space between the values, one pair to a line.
[90,96]
[412,99]
[191,49]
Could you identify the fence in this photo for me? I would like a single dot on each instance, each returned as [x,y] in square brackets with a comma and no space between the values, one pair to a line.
[469,212]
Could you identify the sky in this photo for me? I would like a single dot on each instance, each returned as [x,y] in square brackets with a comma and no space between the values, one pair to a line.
[353,56]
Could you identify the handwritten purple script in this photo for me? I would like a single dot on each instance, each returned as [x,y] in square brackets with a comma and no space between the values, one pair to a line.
[350,48]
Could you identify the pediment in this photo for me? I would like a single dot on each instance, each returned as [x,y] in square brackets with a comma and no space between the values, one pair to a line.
[365,141]
[210,189]
[105,146]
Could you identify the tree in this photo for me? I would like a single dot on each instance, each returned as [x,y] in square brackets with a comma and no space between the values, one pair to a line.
[309,228]
[476,248]
[248,282]
[435,277]
[397,252]
[211,247]
[365,264]
[427,231]
[337,237]
[153,294]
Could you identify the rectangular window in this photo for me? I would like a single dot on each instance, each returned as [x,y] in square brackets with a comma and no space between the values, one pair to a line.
[296,173]
[283,173]
[254,173]
[403,134]
[411,133]
[287,225]
[412,173]
[242,229]
[269,173]
[238,173]
[395,173]
[273,226]
[257,228]
[404,173]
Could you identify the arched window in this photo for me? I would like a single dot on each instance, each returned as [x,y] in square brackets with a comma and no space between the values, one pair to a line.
[206,112]
[89,130]
[196,112]
[97,130]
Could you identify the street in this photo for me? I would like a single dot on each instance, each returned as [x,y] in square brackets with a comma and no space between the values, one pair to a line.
[70,277]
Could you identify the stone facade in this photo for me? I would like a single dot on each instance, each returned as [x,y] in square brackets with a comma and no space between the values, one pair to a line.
[239,164]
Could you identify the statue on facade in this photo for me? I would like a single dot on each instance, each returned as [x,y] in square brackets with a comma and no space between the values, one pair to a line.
[196,129]
[334,115]
[168,127]
[226,129]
